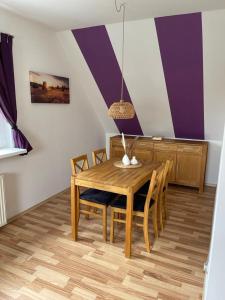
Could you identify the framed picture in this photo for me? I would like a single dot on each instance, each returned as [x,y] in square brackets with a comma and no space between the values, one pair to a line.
[46,88]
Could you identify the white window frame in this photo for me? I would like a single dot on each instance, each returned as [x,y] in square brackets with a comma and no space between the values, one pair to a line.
[6,138]
[7,148]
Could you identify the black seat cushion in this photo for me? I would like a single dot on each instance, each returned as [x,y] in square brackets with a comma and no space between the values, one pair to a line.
[97,196]
[139,202]
[144,189]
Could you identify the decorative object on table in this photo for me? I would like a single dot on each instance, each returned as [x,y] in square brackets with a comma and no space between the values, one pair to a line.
[119,164]
[130,146]
[46,88]
[157,138]
[125,159]
[122,109]
[134,161]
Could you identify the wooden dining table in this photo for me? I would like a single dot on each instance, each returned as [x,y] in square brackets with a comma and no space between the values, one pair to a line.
[107,177]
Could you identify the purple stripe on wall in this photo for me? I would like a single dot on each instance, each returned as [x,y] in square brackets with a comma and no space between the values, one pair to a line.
[97,50]
[180,43]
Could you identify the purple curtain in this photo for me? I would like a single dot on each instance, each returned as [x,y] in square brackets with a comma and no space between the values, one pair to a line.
[7,90]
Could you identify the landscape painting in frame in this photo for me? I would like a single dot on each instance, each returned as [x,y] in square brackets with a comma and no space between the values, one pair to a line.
[46,88]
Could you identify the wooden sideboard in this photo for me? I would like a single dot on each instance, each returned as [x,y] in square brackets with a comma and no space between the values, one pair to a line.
[189,156]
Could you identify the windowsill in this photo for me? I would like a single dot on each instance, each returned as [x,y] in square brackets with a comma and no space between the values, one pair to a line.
[9,152]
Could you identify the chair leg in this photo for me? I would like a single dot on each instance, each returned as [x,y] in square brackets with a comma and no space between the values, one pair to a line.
[165,208]
[146,235]
[160,215]
[78,209]
[87,217]
[154,220]
[104,223]
[112,226]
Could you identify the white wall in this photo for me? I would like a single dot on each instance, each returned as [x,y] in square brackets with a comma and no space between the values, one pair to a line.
[56,132]
[213,160]
[213,23]
[214,281]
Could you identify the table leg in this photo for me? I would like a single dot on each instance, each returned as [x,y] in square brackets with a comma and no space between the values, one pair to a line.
[74,210]
[129,218]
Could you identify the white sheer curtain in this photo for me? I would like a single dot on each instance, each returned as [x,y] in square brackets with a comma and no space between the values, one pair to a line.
[6,140]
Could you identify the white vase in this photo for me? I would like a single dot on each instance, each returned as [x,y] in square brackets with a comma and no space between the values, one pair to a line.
[125,160]
[133,160]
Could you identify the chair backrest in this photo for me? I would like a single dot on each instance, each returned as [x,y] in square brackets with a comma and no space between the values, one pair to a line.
[154,188]
[170,168]
[166,174]
[99,156]
[79,164]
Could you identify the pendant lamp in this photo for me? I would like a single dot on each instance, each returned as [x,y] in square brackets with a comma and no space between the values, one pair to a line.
[122,109]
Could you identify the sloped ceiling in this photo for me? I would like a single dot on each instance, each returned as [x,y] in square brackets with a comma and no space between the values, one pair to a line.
[71,14]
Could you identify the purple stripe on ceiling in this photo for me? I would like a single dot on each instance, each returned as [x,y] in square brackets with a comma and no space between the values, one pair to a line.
[180,43]
[97,50]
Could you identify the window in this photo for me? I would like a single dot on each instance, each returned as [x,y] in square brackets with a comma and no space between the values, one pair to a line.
[6,139]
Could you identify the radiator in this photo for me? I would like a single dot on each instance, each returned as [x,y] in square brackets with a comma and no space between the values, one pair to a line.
[3,219]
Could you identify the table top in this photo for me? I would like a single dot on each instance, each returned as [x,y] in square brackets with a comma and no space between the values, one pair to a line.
[110,178]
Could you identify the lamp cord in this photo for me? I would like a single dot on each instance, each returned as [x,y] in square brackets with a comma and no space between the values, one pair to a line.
[118,9]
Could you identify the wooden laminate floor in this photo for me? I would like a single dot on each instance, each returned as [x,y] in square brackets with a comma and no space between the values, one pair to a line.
[38,259]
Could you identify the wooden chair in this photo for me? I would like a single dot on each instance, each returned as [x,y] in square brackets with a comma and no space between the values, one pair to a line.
[165,190]
[99,156]
[91,198]
[162,193]
[162,209]
[143,206]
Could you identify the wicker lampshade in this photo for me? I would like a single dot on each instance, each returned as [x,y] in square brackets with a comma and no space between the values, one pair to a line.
[121,110]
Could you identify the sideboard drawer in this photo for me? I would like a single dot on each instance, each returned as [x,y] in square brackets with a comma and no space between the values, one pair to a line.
[165,147]
[144,144]
[117,151]
[143,154]
[116,141]
[190,149]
